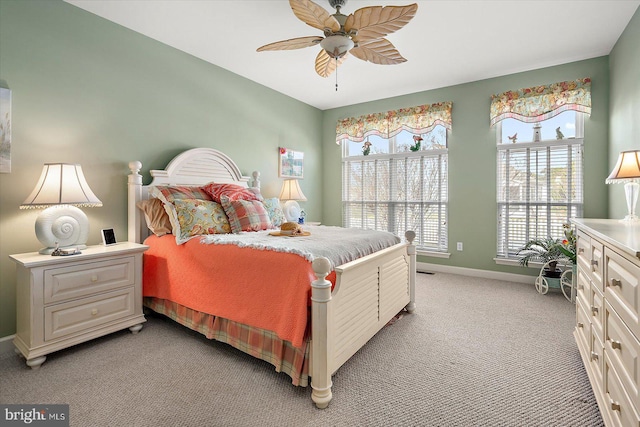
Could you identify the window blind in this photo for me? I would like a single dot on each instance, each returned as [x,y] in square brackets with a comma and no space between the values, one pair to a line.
[539,189]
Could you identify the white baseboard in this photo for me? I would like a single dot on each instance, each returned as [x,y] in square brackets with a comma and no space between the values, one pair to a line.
[485,274]
[6,344]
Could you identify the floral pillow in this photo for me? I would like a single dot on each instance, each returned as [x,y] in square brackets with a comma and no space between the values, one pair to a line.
[276,215]
[198,217]
[232,191]
[246,215]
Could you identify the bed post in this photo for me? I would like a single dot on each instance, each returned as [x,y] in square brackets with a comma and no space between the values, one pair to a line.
[135,195]
[411,251]
[320,369]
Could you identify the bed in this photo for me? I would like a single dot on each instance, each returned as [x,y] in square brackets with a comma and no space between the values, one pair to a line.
[346,304]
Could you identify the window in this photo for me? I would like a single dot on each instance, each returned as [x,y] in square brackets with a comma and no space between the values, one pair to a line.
[396,189]
[540,166]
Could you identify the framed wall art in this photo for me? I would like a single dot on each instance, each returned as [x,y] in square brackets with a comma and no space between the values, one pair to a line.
[291,163]
[5,130]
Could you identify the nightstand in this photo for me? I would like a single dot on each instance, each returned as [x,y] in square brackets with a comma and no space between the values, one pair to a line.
[66,300]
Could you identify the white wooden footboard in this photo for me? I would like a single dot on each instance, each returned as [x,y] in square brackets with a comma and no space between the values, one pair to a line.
[368,293]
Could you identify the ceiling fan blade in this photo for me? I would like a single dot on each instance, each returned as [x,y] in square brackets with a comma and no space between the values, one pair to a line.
[290,44]
[374,22]
[314,15]
[325,65]
[380,51]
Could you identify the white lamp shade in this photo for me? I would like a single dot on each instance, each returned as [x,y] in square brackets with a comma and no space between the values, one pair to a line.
[627,167]
[291,190]
[61,184]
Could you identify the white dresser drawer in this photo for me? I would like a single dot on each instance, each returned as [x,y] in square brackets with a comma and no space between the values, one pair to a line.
[583,288]
[596,310]
[596,265]
[80,315]
[583,328]
[596,362]
[78,280]
[623,288]
[618,404]
[623,350]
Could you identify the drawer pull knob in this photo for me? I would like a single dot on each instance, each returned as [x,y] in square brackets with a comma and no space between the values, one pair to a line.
[580,250]
[615,406]
[594,310]
[594,262]
[94,311]
[594,355]
[616,282]
[580,325]
[616,344]
[94,278]
[580,287]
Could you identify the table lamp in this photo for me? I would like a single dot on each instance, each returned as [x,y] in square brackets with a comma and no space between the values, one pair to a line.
[627,171]
[59,190]
[290,194]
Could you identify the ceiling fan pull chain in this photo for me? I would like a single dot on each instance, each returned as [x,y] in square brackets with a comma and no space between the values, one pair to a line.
[336,74]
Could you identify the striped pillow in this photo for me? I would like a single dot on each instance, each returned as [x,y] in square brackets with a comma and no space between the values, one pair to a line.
[246,215]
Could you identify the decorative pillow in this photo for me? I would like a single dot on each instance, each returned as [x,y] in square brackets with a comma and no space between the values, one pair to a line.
[197,217]
[276,216]
[169,193]
[246,215]
[155,215]
[232,191]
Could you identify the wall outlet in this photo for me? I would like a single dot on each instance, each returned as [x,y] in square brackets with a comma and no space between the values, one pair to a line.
[459,246]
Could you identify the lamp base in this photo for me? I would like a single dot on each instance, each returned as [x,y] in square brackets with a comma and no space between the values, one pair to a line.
[631,190]
[291,210]
[62,226]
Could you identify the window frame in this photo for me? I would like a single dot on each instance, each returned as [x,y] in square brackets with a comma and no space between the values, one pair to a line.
[512,258]
[442,203]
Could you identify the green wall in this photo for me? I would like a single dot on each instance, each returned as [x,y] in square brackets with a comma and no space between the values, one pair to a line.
[89,91]
[472,156]
[624,110]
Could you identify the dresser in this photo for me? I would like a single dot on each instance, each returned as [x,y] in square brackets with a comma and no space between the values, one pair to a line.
[66,300]
[607,328]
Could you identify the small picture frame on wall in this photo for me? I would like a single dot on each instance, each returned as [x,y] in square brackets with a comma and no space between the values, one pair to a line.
[291,163]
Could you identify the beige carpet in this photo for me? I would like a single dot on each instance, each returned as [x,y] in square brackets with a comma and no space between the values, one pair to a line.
[477,352]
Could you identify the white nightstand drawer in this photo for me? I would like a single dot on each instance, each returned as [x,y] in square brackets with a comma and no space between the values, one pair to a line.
[80,315]
[61,284]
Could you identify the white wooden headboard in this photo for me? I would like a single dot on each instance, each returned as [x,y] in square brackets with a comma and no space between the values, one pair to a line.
[197,166]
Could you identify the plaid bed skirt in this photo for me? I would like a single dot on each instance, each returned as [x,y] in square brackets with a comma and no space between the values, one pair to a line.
[259,343]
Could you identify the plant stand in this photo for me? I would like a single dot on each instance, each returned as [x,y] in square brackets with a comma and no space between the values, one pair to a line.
[566,281]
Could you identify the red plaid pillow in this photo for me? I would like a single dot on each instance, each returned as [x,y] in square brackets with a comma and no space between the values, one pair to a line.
[232,191]
[246,215]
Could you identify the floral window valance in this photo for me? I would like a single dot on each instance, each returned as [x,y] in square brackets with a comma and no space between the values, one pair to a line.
[417,120]
[539,103]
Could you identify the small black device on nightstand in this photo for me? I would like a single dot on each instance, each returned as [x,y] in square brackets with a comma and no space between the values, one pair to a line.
[108,236]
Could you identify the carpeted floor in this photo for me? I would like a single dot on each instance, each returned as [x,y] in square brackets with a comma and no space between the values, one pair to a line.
[477,352]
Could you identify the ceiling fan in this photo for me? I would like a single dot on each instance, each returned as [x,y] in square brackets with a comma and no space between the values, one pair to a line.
[361,33]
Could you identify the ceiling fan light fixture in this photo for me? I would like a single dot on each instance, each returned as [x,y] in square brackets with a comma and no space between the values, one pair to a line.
[337,45]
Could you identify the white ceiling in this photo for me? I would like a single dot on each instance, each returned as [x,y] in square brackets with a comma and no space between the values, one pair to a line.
[448,42]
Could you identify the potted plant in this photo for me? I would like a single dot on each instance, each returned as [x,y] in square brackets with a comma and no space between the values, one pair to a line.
[545,251]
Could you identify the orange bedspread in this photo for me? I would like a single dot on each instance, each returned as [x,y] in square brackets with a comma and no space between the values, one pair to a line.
[265,289]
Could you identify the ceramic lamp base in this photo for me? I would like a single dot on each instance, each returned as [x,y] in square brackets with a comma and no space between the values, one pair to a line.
[291,210]
[62,226]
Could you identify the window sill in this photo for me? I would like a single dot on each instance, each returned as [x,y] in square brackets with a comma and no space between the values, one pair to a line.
[433,254]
